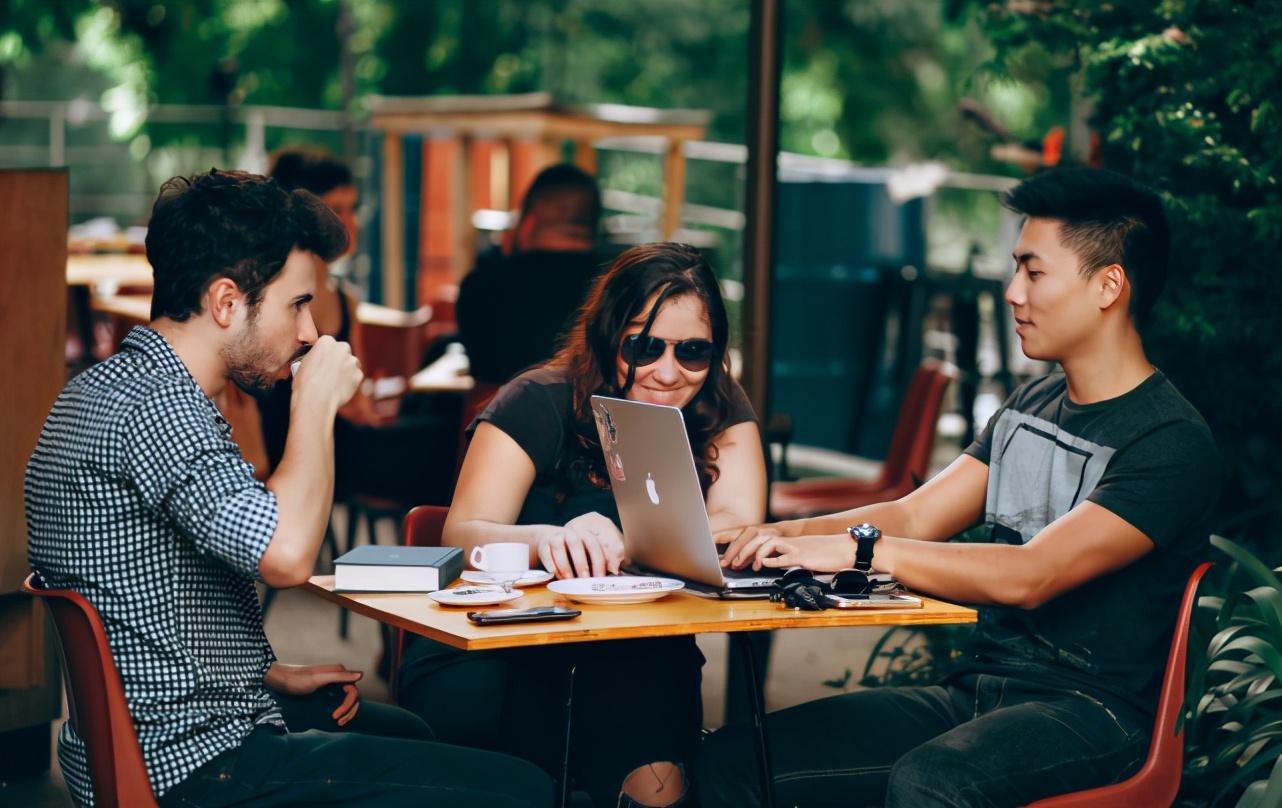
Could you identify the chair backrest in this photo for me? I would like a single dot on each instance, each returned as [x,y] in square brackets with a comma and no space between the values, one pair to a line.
[914,436]
[1158,781]
[1166,750]
[96,700]
[423,527]
[424,524]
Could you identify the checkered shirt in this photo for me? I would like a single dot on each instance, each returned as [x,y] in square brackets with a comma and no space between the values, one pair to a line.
[138,499]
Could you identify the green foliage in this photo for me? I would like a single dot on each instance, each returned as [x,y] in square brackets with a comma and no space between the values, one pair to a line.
[1187,98]
[1233,711]
[912,656]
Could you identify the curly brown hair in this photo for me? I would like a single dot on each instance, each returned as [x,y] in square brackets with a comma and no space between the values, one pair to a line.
[661,271]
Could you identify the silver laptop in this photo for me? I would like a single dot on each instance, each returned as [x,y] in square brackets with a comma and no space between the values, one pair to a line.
[656,487]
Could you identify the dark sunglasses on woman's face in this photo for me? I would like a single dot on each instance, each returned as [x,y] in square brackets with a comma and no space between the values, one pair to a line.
[693,354]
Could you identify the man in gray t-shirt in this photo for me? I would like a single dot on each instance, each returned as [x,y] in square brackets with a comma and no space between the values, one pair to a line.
[1096,485]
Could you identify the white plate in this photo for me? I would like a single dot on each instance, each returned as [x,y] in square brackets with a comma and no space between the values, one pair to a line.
[616,588]
[528,578]
[473,595]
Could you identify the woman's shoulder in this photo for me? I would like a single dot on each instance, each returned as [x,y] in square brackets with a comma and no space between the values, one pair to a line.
[544,381]
[739,407]
[541,393]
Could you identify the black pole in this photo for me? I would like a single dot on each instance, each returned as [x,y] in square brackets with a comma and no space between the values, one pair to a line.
[764,66]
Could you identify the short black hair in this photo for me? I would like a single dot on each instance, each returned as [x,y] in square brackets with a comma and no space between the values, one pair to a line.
[569,193]
[1108,219]
[310,168]
[230,224]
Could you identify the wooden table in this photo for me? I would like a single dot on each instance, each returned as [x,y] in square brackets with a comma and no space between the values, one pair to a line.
[91,276]
[436,379]
[680,613]
[109,272]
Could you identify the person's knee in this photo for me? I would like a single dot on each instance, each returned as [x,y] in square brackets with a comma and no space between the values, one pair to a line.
[934,774]
[655,785]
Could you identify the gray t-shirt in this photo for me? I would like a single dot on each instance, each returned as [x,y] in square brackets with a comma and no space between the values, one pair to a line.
[1148,457]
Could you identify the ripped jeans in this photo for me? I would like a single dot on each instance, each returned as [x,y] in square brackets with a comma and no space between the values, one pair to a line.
[978,740]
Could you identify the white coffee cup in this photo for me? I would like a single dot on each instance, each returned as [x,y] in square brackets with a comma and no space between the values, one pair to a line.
[508,556]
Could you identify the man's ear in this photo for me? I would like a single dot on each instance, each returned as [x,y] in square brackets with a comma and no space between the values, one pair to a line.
[223,299]
[1112,286]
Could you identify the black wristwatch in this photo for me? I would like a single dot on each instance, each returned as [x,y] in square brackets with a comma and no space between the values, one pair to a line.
[865,536]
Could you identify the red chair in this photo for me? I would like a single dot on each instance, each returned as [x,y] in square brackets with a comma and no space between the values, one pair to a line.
[423,528]
[1158,781]
[906,462]
[96,700]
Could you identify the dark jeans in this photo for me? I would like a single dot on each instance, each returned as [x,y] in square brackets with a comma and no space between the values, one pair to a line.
[635,702]
[979,740]
[383,758]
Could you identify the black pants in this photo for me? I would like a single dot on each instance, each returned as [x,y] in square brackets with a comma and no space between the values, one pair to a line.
[384,758]
[977,741]
[635,702]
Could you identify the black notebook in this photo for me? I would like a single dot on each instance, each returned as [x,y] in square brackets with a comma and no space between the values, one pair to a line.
[381,568]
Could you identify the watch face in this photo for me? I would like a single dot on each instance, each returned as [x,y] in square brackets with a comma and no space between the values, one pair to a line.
[865,531]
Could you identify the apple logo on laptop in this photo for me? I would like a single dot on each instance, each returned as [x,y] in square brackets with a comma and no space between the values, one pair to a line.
[651,489]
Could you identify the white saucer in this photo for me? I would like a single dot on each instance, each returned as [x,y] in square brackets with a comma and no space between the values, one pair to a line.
[472,595]
[528,578]
[616,589]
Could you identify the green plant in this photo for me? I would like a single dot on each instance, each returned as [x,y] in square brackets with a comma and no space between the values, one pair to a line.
[1233,711]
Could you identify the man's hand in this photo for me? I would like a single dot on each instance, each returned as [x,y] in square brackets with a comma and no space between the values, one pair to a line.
[329,374]
[743,542]
[588,545]
[815,553]
[301,680]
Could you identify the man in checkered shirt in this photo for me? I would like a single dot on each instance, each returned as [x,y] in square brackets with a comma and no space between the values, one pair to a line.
[138,499]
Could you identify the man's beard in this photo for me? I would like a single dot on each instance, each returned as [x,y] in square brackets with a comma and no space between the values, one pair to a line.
[251,366]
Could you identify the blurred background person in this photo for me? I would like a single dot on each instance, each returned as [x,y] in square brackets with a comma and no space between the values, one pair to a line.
[538,282]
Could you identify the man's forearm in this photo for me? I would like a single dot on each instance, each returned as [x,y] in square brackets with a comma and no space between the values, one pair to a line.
[1001,574]
[304,488]
[890,517]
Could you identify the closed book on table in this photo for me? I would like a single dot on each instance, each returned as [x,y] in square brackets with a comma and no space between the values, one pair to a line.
[379,568]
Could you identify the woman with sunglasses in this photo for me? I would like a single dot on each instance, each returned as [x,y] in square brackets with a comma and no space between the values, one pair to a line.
[653,329]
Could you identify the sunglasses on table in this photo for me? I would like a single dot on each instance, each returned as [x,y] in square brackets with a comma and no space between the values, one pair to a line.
[799,588]
[692,354]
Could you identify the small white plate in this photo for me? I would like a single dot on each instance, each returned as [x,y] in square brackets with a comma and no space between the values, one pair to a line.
[472,595]
[616,589]
[528,578]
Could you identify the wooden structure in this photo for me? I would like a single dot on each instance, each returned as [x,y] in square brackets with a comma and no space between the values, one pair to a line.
[677,614]
[482,152]
[33,329]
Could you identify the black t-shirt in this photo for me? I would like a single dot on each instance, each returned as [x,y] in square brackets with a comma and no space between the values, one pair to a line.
[536,410]
[1148,457]
[511,311]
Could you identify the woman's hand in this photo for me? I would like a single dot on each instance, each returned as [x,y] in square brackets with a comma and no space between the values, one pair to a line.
[588,545]
[301,680]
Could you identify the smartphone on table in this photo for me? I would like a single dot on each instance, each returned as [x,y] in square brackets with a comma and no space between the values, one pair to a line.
[873,601]
[535,615]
